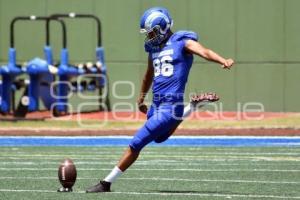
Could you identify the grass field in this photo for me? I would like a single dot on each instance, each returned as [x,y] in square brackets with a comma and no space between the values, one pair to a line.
[160,173]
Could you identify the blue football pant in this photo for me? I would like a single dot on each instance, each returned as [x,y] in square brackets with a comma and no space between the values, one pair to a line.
[162,122]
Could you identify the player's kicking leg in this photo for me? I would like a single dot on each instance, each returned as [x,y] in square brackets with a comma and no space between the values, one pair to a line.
[197,102]
[133,151]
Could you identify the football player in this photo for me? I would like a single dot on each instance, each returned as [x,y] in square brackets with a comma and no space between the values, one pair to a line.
[170,57]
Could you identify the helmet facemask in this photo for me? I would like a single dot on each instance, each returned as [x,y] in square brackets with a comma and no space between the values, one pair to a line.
[154,36]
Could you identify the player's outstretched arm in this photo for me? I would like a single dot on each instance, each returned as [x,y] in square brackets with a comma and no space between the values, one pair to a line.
[146,84]
[196,48]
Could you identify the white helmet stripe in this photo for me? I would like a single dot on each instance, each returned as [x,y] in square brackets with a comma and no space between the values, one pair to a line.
[152,17]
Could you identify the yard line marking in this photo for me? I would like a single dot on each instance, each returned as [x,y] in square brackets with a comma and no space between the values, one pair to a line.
[136,169]
[196,159]
[152,150]
[208,195]
[111,156]
[209,180]
[170,194]
[40,191]
[147,163]
[5,154]
[158,179]
[199,159]
[159,154]
[182,157]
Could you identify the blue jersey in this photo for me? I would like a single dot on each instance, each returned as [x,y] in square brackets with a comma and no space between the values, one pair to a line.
[172,65]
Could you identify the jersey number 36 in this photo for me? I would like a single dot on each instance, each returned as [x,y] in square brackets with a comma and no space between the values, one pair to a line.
[162,66]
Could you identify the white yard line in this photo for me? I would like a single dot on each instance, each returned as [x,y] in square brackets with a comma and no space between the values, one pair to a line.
[152,150]
[182,157]
[170,194]
[114,156]
[176,153]
[198,159]
[158,179]
[146,163]
[136,169]
[209,180]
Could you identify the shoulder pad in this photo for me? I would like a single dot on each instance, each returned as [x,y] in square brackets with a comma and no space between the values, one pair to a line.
[184,35]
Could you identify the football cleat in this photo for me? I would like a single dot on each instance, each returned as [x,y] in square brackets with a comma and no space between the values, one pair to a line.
[203,99]
[102,186]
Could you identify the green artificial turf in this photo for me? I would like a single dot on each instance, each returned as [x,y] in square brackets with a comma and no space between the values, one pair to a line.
[160,173]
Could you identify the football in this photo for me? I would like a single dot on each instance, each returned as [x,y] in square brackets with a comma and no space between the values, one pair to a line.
[67,175]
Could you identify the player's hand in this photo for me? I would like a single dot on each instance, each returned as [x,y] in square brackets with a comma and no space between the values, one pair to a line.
[142,107]
[228,64]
